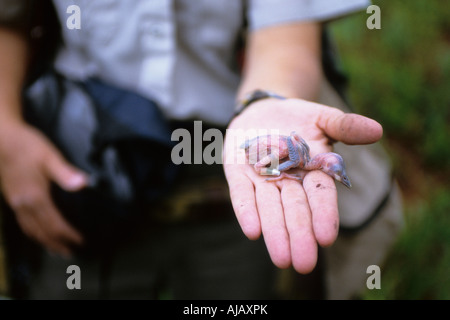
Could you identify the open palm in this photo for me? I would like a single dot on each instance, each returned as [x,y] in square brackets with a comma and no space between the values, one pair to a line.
[294,217]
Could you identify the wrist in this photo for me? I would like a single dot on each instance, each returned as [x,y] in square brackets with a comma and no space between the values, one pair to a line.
[254,96]
[10,124]
[10,120]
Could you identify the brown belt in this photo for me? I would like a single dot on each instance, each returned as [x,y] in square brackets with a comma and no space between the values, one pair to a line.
[206,199]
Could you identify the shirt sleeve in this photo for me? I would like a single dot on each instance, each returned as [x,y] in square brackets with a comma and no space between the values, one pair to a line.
[263,13]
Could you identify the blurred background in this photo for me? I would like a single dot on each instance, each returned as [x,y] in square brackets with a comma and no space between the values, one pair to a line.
[400,76]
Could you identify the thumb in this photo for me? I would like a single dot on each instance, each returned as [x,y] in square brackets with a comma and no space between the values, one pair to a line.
[66,175]
[349,128]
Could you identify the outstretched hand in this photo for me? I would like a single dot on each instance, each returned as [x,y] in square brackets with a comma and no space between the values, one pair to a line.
[294,218]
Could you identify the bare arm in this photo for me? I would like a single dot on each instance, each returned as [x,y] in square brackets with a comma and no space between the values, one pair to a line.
[13,63]
[284,59]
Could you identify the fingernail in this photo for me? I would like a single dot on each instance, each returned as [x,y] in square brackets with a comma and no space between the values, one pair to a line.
[76,181]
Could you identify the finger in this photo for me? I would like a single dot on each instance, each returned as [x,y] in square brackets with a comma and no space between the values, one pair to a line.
[322,197]
[273,227]
[242,194]
[299,225]
[64,174]
[29,226]
[349,128]
[33,230]
[41,220]
[55,225]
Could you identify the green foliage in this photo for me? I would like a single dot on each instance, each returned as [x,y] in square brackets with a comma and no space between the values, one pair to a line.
[418,267]
[400,76]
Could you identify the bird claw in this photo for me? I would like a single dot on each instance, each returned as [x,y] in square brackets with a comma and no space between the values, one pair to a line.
[285,175]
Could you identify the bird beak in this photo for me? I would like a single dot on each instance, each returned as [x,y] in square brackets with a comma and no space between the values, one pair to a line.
[344,180]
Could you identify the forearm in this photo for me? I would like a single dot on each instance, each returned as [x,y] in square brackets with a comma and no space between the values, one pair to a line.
[285,59]
[13,63]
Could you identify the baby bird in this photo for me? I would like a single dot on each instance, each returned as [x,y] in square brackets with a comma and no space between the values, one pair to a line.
[332,164]
[289,152]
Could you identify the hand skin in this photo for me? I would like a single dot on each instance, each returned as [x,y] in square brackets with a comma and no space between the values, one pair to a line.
[28,161]
[294,217]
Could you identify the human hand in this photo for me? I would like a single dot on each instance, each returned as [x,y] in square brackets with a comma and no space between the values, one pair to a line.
[28,164]
[293,217]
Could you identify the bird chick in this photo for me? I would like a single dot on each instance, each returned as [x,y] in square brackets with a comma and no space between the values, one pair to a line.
[292,152]
[332,164]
